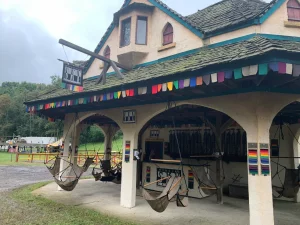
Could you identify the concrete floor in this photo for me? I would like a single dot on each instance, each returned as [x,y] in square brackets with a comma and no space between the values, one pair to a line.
[105,198]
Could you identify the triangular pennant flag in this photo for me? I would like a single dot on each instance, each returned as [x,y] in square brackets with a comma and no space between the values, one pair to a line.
[119,94]
[140,90]
[238,73]
[115,95]
[246,71]
[274,66]
[206,79]
[221,77]
[296,70]
[95,98]
[193,82]
[108,96]
[228,74]
[175,84]
[170,86]
[124,94]
[253,70]
[154,89]
[263,69]
[282,68]
[104,97]
[101,98]
[127,92]
[164,87]
[111,96]
[214,77]
[289,68]
[186,82]
[159,86]
[199,81]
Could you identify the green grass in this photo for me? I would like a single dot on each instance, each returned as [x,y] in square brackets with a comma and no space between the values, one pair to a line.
[22,207]
[117,146]
[9,159]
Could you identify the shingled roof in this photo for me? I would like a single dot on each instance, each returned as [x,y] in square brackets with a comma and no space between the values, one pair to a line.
[203,58]
[225,14]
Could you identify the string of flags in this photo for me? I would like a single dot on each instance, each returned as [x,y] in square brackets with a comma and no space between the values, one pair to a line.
[219,77]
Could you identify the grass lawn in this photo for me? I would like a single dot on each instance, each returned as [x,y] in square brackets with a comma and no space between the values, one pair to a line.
[22,207]
[117,146]
[9,159]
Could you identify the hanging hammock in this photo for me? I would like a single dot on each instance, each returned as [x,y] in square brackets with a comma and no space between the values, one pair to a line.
[54,167]
[106,173]
[290,187]
[69,177]
[160,203]
[182,201]
[206,184]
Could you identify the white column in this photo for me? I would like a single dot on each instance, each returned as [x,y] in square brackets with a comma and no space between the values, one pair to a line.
[129,170]
[260,186]
[296,148]
[67,133]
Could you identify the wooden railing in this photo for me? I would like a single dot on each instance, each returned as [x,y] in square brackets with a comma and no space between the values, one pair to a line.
[116,157]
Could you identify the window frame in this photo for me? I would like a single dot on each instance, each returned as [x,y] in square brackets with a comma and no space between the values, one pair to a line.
[165,34]
[145,18]
[105,52]
[294,8]
[122,44]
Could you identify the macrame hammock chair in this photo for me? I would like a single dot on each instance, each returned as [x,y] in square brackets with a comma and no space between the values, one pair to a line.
[107,173]
[206,185]
[160,203]
[54,167]
[68,178]
[291,185]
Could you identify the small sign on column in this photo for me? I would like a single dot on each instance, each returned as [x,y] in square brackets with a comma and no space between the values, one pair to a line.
[127,151]
[253,158]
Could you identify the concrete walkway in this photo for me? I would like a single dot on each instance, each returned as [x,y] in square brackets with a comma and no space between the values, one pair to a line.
[105,198]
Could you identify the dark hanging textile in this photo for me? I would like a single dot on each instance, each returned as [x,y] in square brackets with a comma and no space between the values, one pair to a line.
[238,143]
[182,201]
[213,146]
[244,144]
[232,143]
[227,143]
[54,168]
[291,184]
[205,142]
[200,150]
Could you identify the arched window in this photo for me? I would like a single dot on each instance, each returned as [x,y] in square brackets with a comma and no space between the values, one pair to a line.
[168,34]
[293,7]
[107,52]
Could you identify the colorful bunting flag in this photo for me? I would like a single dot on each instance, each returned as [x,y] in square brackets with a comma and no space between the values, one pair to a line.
[181,84]
[253,70]
[170,86]
[214,77]
[119,94]
[281,68]
[115,95]
[274,66]
[176,84]
[228,74]
[296,70]
[221,77]
[193,82]
[263,69]
[159,86]
[124,94]
[186,83]
[289,68]
[199,81]
[164,87]
[238,73]
[206,79]
[131,92]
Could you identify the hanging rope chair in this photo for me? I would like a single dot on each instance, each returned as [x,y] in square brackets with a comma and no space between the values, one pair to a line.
[160,203]
[107,173]
[54,167]
[69,177]
[291,185]
[205,184]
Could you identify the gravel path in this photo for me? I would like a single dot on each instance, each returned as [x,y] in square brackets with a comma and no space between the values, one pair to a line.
[17,176]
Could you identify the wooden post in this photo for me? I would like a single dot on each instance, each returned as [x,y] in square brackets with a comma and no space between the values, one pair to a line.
[17,156]
[219,180]
[31,158]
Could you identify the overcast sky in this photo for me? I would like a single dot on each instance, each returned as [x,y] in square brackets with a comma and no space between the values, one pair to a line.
[30,29]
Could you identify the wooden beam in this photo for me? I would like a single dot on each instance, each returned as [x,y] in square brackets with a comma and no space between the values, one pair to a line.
[93,54]
[102,77]
[287,82]
[259,80]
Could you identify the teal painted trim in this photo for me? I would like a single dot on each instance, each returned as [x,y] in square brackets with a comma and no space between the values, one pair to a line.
[105,37]
[220,44]
[281,37]
[271,11]
[177,18]
[232,41]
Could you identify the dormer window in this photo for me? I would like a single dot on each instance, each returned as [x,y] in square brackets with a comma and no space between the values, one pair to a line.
[293,7]
[125,32]
[107,52]
[141,30]
[168,34]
